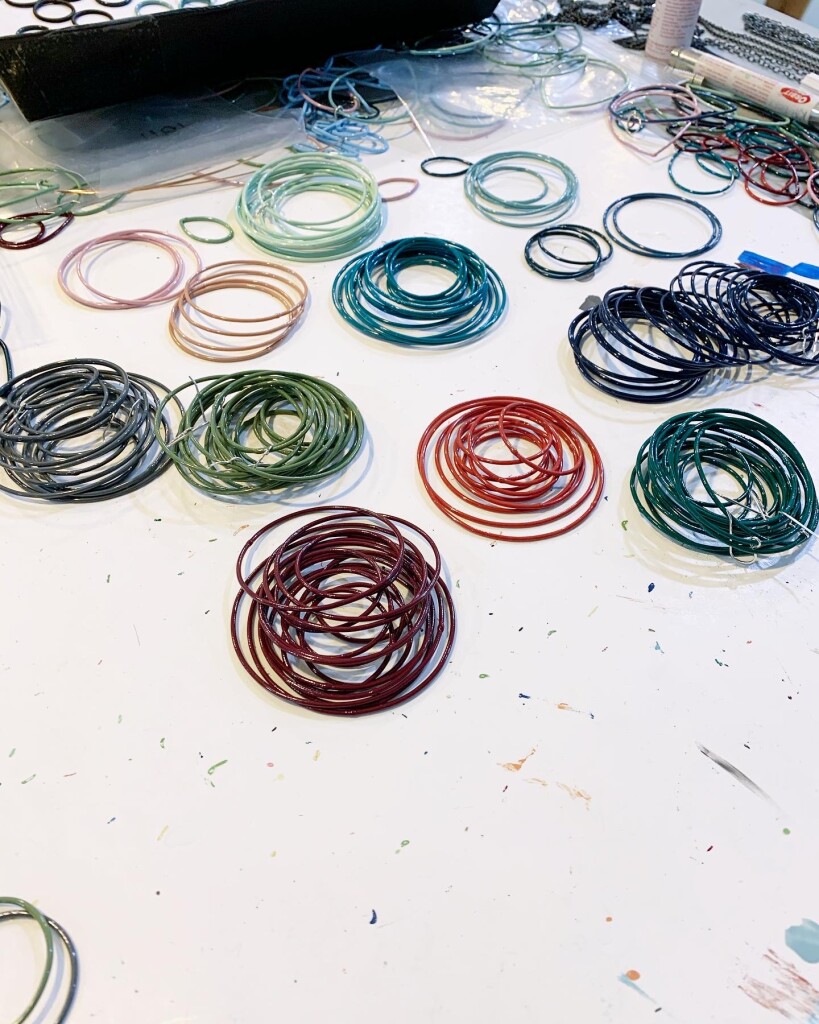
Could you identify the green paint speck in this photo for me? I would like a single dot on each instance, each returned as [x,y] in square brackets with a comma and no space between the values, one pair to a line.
[119,719]
[458,584]
[218,764]
[404,842]
[162,743]
[109,578]
[551,632]
[157,520]
[483,675]
[24,781]
[721,664]
[786,831]
[11,752]
[624,524]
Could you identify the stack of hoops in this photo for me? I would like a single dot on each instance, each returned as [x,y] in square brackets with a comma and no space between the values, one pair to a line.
[224,338]
[237,435]
[81,430]
[657,345]
[510,469]
[350,614]
[368,294]
[725,482]
[262,207]
[541,208]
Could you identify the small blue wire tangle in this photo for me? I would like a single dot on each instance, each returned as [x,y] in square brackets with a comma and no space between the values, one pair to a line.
[350,138]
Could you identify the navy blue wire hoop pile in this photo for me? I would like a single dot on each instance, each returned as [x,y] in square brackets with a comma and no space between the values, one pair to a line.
[656,344]
[766,506]
[349,615]
[368,294]
[81,430]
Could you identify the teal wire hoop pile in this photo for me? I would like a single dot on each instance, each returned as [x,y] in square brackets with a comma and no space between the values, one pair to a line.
[369,296]
[262,207]
[547,205]
[230,441]
[771,506]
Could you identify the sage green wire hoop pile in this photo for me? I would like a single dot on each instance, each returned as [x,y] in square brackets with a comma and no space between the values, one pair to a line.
[228,442]
[262,215]
[771,507]
[555,195]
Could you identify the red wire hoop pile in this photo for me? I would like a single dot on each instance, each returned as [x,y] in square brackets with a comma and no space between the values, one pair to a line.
[535,495]
[347,616]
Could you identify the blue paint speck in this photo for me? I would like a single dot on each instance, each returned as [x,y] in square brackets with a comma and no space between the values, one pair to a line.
[803,939]
[650,587]
[374,918]
[524,696]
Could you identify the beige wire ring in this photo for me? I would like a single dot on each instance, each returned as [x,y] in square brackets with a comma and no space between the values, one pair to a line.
[200,331]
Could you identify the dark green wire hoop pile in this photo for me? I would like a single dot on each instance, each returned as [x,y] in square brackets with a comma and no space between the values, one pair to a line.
[727,483]
[368,294]
[231,440]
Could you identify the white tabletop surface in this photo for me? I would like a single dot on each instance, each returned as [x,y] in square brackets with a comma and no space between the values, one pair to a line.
[510,844]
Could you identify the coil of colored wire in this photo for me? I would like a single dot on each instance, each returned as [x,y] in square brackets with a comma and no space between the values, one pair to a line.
[630,365]
[76,265]
[262,215]
[677,480]
[368,295]
[14,909]
[348,615]
[534,211]
[547,263]
[611,225]
[766,315]
[80,430]
[545,478]
[233,438]
[222,338]
[671,107]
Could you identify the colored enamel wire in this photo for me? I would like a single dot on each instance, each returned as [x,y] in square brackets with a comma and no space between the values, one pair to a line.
[540,254]
[227,230]
[710,163]
[588,70]
[543,207]
[261,208]
[671,107]
[225,338]
[348,615]
[765,315]
[261,431]
[457,40]
[81,430]
[28,220]
[36,196]
[369,296]
[14,909]
[725,482]
[73,272]
[611,225]
[544,478]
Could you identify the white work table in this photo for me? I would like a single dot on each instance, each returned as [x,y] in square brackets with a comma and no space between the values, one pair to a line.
[507,846]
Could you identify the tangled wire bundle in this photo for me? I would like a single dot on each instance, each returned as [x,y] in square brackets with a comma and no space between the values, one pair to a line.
[532,495]
[81,430]
[727,483]
[238,437]
[348,615]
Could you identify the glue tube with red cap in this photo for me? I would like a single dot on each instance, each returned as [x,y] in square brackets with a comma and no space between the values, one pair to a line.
[797,102]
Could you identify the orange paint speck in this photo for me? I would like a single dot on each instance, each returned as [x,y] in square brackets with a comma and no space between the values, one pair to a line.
[609,920]
[633,975]
[563,706]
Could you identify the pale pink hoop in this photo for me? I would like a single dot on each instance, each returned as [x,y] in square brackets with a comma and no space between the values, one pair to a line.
[76,263]
[812,187]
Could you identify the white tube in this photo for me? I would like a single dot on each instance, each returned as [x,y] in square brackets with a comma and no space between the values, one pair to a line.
[796,102]
[672,26]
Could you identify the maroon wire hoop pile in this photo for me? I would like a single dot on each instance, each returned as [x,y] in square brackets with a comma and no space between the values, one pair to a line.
[529,496]
[348,615]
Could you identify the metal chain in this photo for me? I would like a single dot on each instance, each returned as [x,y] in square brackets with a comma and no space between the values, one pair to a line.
[779,58]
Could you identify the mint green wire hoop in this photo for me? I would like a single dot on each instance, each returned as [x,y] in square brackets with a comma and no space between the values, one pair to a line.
[261,207]
[549,203]
[228,235]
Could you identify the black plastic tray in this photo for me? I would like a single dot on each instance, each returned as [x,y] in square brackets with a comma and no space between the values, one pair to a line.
[84,67]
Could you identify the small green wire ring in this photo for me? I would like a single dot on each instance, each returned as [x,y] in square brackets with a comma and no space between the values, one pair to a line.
[183,223]
[31,911]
